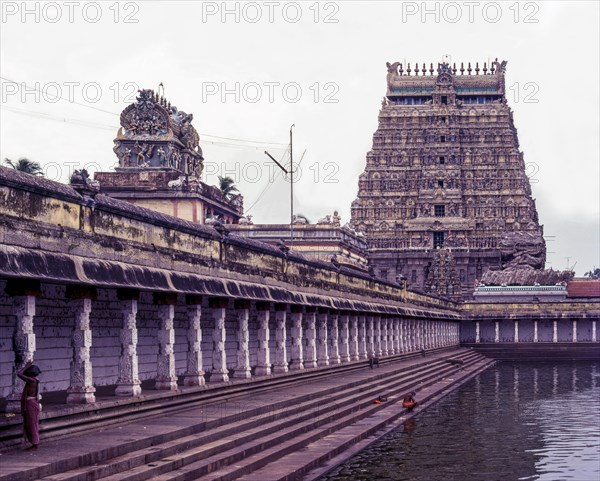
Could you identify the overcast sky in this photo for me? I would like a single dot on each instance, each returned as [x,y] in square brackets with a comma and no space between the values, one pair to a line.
[249,70]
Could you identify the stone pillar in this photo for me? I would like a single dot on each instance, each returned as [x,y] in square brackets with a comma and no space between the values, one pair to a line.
[369,337]
[401,333]
[311,337]
[166,379]
[81,389]
[593,331]
[263,356]
[334,346]
[417,334]
[554,330]
[23,336]
[384,336]
[219,371]
[344,334]
[363,350]
[194,373]
[322,353]
[377,336]
[297,353]
[477,332]
[280,363]
[128,383]
[535,331]
[516,337]
[354,352]
[574,330]
[393,337]
[497,332]
[242,353]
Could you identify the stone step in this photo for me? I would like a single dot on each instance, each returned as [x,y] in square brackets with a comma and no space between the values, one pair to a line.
[285,439]
[131,446]
[297,464]
[58,420]
[342,433]
[145,460]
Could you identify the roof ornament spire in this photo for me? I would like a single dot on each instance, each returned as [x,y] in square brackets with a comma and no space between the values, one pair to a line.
[469,69]
[408,70]
[485,68]
[462,68]
[431,68]
[477,68]
[454,68]
[417,69]
[401,69]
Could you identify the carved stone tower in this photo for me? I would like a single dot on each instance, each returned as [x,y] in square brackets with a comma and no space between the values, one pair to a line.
[445,171]
[161,162]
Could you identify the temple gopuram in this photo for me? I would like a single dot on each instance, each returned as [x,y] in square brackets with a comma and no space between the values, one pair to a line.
[446,173]
[160,165]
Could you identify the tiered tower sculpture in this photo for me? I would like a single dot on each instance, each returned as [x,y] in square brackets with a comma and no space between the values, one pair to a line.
[445,172]
[154,133]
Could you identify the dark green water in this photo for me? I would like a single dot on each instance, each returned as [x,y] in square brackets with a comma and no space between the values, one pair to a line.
[515,421]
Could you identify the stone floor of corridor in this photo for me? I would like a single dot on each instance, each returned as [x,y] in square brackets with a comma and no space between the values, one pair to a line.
[80,444]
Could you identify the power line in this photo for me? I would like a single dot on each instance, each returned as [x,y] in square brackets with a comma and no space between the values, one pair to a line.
[61,97]
[116,114]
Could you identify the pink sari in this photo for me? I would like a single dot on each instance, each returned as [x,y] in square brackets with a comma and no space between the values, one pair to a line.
[31,415]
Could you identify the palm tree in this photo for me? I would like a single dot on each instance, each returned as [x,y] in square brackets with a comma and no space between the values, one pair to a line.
[25,165]
[227,186]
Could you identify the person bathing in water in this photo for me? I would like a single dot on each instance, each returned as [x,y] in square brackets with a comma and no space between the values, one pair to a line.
[30,406]
[409,402]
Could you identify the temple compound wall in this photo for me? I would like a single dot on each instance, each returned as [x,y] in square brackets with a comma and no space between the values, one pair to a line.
[102,292]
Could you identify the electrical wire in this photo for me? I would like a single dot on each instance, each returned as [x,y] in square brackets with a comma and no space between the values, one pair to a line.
[90,124]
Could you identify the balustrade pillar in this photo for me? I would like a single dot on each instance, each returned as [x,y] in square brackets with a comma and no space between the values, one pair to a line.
[344,334]
[333,337]
[296,351]
[574,330]
[128,383]
[280,364]
[194,373]
[516,339]
[477,332]
[166,378]
[401,335]
[593,331]
[354,341]
[363,349]
[395,326]
[219,371]
[370,337]
[242,366]
[555,331]
[377,335]
[385,347]
[311,337]
[81,389]
[24,294]
[263,355]
[535,331]
[322,352]
[497,331]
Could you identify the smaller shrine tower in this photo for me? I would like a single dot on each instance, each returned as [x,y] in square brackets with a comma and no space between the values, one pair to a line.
[161,162]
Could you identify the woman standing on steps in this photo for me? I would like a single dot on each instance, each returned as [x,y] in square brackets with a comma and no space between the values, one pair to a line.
[30,406]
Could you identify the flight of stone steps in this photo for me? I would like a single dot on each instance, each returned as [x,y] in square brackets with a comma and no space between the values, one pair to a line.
[285,434]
